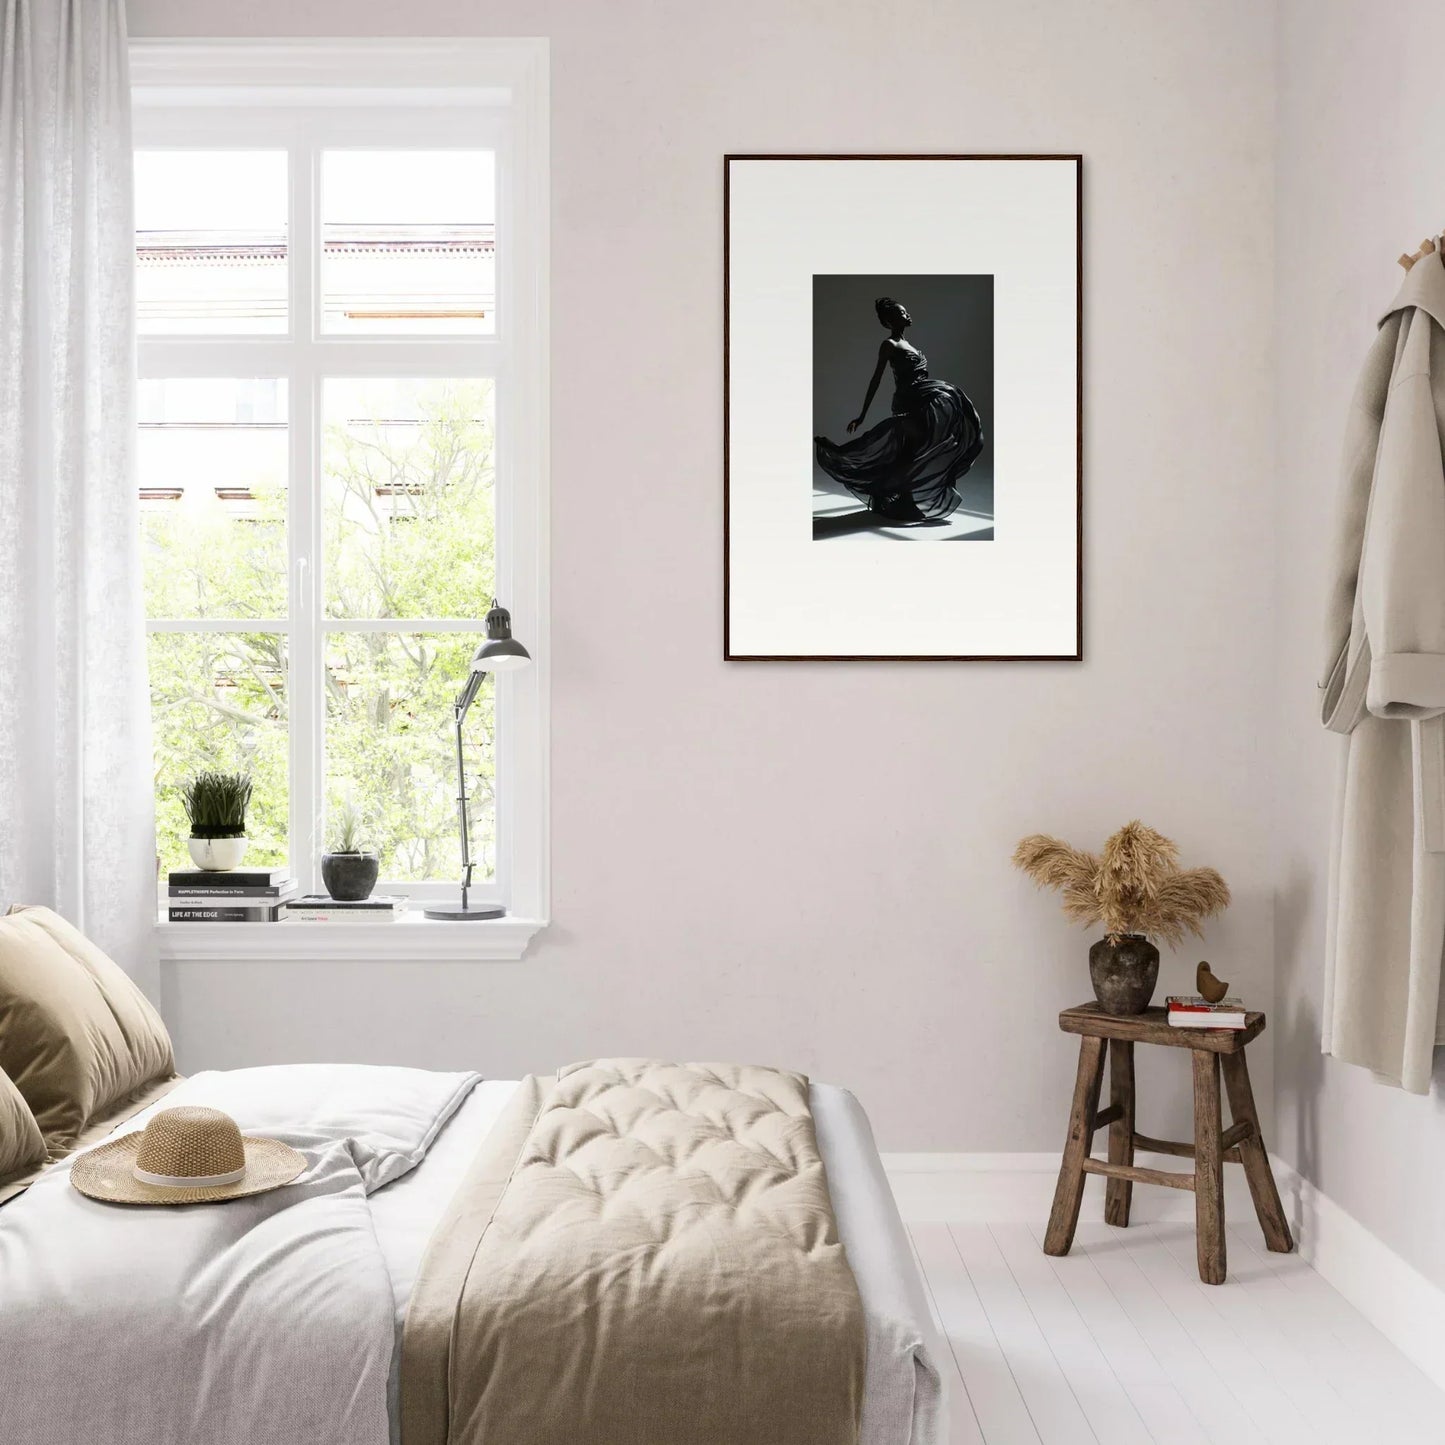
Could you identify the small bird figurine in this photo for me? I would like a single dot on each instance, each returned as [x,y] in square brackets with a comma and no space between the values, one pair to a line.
[1207,986]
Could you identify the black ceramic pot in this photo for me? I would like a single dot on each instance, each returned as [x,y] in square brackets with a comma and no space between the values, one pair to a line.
[350,877]
[1124,972]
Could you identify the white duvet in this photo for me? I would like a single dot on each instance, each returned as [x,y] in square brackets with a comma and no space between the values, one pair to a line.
[274,1319]
[260,1321]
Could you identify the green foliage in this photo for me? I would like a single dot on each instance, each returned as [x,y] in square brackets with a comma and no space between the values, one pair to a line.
[408,532]
[216,804]
[218,702]
[389,746]
[346,830]
[408,513]
[215,564]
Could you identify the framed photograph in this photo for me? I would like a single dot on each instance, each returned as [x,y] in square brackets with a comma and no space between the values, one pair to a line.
[902,389]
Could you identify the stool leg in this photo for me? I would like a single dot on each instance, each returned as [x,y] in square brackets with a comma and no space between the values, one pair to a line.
[1119,1193]
[1069,1193]
[1253,1156]
[1208,1169]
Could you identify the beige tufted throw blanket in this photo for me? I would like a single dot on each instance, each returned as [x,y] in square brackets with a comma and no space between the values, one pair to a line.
[644,1254]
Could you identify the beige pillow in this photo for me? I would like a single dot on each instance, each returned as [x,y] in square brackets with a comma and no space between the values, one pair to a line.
[76,1035]
[22,1149]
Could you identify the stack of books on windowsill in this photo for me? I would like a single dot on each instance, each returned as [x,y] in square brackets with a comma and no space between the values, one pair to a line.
[321,908]
[1191,1011]
[242,895]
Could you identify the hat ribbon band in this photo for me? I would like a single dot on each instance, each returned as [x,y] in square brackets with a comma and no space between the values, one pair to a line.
[189,1181]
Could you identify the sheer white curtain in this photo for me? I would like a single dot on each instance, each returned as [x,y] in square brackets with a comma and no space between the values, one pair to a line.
[75,763]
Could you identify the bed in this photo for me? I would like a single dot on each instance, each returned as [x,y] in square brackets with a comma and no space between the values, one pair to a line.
[625,1252]
[902,1393]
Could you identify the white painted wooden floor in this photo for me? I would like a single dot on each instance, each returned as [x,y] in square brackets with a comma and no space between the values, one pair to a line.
[1120,1343]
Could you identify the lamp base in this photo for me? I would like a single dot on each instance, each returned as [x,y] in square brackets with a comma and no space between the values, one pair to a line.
[456,913]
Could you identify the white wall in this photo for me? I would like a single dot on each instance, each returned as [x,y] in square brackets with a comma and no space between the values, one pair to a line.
[1361,167]
[808,864]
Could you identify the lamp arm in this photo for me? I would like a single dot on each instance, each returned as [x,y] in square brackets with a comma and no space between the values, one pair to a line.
[504,654]
[468,695]
[459,713]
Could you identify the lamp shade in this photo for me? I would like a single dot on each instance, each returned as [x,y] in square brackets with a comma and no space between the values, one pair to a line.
[501,652]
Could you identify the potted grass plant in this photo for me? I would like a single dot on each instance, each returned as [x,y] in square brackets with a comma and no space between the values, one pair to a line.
[216,804]
[350,869]
[1137,890]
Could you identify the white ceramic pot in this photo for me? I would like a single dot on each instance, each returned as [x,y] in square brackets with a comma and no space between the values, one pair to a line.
[217,855]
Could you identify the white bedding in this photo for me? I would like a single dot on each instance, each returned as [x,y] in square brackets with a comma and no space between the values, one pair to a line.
[163,1324]
[265,1320]
[902,1389]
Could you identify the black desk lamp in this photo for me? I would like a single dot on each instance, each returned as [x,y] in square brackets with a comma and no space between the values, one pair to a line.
[501,652]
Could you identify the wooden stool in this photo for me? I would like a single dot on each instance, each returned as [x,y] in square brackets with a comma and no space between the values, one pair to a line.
[1213,1145]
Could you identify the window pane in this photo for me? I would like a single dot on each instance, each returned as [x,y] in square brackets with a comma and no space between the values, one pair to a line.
[408,242]
[218,700]
[408,498]
[210,241]
[212,468]
[390,749]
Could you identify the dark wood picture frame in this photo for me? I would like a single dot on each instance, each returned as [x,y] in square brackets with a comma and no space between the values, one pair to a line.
[1078,654]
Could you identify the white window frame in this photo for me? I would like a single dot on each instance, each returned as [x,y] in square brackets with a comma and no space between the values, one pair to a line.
[305,96]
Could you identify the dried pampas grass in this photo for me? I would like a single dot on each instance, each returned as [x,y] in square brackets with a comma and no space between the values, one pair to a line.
[1051,863]
[1134,886]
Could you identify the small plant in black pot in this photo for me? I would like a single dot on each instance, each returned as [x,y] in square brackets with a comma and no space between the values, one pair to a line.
[216,804]
[350,869]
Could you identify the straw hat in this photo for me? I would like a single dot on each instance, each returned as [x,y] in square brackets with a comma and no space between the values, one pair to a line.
[186,1155]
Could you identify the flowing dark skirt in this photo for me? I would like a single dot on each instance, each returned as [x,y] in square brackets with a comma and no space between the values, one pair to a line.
[905,468]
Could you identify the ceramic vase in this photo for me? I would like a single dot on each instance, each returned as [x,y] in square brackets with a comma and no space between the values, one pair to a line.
[350,877]
[1124,971]
[217,855]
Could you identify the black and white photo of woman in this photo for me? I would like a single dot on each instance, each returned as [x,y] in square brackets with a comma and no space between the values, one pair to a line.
[915,463]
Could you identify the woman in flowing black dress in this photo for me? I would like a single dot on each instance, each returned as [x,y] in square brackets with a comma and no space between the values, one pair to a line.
[905,468]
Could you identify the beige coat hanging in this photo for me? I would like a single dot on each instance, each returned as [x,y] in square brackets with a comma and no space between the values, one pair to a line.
[1384,686]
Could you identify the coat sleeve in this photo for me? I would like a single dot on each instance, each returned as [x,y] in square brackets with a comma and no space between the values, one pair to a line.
[1345,675]
[1402,571]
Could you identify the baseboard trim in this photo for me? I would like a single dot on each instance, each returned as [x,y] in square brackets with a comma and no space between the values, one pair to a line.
[987,1188]
[1405,1306]
[1016,1163]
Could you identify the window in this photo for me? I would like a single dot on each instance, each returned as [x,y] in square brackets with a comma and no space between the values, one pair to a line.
[340,255]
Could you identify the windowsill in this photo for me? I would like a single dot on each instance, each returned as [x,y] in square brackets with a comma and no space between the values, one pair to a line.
[411,939]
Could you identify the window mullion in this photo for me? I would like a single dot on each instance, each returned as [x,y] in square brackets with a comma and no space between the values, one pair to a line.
[382,356]
[405,624]
[306,690]
[219,624]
